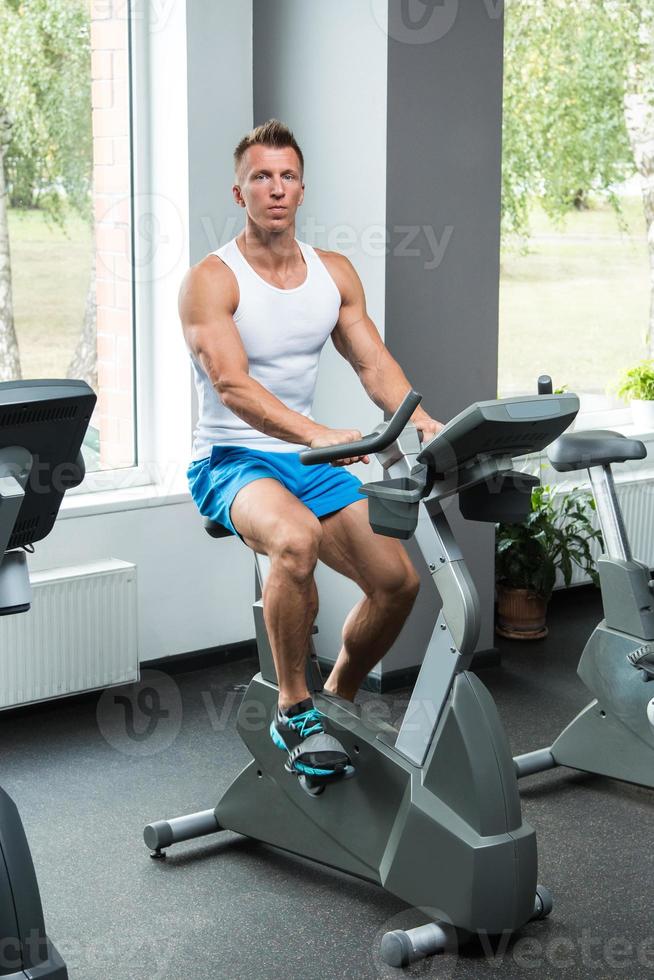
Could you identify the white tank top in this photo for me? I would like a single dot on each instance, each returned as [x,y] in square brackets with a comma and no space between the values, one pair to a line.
[283,332]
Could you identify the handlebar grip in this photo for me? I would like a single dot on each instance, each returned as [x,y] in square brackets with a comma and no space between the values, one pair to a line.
[372,443]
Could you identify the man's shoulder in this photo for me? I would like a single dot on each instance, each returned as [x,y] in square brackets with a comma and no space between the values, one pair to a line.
[211,277]
[339,266]
[344,275]
[210,269]
[336,258]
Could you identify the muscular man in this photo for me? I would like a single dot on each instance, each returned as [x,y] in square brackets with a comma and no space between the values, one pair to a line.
[256,314]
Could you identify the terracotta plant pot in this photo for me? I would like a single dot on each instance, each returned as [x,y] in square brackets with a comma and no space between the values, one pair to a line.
[521,614]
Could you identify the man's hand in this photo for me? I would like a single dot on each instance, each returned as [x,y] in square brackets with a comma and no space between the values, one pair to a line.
[427,427]
[334,437]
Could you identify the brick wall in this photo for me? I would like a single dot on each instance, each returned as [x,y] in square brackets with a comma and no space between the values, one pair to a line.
[111,193]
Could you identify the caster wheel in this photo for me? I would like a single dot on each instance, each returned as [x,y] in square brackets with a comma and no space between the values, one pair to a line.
[543,903]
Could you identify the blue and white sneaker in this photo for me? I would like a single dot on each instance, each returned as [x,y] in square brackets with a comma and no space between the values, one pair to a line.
[311,751]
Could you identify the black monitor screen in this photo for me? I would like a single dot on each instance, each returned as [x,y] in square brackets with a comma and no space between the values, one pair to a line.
[42,428]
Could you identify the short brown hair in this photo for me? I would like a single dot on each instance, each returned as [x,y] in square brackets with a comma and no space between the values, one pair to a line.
[271,133]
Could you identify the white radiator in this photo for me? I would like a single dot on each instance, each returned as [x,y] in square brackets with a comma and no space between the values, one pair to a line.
[79,635]
[637,503]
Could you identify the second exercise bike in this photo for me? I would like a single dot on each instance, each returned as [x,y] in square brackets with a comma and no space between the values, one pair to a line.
[614,734]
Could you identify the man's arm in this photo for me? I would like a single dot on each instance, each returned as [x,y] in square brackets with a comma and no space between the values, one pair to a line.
[207,301]
[357,339]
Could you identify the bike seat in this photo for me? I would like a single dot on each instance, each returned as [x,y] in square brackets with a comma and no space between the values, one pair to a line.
[597,447]
[215,529]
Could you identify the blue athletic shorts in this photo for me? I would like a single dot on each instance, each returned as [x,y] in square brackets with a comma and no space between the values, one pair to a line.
[215,481]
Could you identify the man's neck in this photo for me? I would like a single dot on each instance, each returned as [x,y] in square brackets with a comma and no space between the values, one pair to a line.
[272,250]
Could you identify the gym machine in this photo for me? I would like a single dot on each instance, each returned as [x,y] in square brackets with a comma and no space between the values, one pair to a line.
[42,428]
[432,813]
[614,734]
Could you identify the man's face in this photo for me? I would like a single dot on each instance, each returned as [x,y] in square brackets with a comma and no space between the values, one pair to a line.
[271,186]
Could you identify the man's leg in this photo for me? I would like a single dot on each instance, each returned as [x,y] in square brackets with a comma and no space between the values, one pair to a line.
[383,571]
[273,522]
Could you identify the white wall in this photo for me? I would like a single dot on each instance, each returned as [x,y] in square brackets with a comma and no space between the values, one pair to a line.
[193,592]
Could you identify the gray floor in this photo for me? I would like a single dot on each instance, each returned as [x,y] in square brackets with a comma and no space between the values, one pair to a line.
[229,908]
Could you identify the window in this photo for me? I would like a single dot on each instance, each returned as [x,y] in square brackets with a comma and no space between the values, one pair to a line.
[575,287]
[66,306]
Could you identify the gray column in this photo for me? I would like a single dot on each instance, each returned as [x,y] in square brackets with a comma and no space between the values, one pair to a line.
[443,182]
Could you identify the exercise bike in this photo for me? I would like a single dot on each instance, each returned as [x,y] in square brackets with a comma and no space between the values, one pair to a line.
[432,812]
[42,427]
[614,734]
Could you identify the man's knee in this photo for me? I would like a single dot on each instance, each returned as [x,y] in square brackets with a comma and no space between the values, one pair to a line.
[295,546]
[409,585]
[400,584]
[412,582]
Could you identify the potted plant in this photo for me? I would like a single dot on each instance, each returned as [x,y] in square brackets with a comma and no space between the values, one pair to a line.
[555,536]
[637,385]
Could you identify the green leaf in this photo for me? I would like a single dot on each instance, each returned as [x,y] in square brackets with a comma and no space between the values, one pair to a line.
[555,536]
[563,129]
[45,89]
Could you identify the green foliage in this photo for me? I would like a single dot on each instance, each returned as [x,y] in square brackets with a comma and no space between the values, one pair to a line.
[568,66]
[638,382]
[45,91]
[556,535]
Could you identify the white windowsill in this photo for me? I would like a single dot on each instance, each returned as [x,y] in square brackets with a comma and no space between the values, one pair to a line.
[133,498]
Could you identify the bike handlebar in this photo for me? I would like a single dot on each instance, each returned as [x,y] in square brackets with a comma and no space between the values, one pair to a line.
[372,443]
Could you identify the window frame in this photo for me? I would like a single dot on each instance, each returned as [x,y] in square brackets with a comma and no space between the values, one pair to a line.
[156,475]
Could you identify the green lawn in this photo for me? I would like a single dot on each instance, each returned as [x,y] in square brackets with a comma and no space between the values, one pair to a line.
[51,269]
[575,309]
